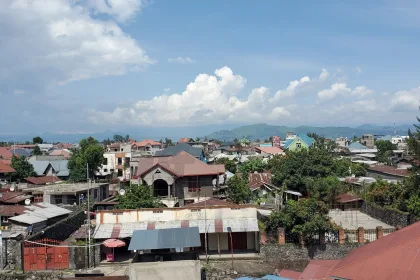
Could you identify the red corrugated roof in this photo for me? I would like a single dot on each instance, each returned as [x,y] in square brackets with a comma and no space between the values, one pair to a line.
[318,269]
[270,150]
[5,153]
[395,256]
[257,180]
[182,164]
[42,180]
[347,197]
[4,168]
[289,274]
[386,169]
[11,210]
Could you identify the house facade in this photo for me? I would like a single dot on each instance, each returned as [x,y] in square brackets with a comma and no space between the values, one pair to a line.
[178,180]
[116,161]
[146,147]
[368,140]
[301,141]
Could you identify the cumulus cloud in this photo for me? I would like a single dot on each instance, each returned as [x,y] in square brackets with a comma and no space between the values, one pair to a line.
[361,91]
[324,74]
[59,41]
[337,89]
[293,87]
[406,100]
[122,10]
[181,60]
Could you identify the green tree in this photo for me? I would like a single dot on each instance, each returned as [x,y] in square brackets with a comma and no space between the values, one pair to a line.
[238,190]
[197,139]
[90,152]
[37,140]
[118,138]
[168,142]
[37,151]
[230,165]
[325,189]
[126,138]
[138,196]
[306,217]
[413,205]
[253,165]
[384,150]
[23,169]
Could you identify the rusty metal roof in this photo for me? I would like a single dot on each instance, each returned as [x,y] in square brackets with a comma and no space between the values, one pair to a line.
[4,168]
[318,269]
[395,256]
[256,180]
[43,180]
[390,170]
[347,197]
[184,140]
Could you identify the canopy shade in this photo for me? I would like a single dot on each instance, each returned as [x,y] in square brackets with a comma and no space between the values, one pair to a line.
[114,243]
[165,238]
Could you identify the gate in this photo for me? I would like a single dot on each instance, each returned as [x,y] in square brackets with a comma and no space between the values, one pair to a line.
[45,254]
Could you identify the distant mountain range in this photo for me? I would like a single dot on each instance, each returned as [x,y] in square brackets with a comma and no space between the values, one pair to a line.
[263,131]
[256,131]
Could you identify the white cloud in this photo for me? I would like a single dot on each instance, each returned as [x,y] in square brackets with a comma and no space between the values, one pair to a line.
[361,91]
[324,74]
[181,60]
[293,87]
[60,41]
[406,100]
[336,89]
[122,10]
[279,112]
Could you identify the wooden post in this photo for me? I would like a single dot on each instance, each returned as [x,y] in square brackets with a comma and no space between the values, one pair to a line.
[218,243]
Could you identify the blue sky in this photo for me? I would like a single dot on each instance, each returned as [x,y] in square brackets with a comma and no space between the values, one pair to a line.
[93,65]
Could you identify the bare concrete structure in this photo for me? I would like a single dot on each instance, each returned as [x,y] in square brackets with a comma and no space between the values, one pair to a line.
[174,270]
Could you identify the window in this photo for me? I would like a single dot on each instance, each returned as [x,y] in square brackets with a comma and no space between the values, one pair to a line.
[95,193]
[194,184]
[111,170]
[127,161]
[38,198]
[119,161]
[195,210]
[157,171]
[298,145]
[157,211]
[120,172]
[105,170]
[105,162]
[58,199]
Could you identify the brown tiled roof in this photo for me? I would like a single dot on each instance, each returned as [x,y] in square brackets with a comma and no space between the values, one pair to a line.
[319,269]
[289,274]
[182,164]
[347,197]
[390,170]
[6,161]
[5,153]
[184,140]
[270,150]
[394,256]
[42,180]
[4,168]
[213,202]
[61,152]
[11,210]
[147,142]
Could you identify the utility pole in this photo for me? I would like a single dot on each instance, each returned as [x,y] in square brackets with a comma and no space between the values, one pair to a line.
[88,212]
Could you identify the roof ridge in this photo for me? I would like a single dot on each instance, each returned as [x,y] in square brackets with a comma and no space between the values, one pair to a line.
[382,251]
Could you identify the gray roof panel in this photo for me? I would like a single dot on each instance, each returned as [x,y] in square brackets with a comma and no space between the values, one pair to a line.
[165,238]
[174,150]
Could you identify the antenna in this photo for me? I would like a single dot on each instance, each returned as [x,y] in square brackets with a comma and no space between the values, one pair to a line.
[27,201]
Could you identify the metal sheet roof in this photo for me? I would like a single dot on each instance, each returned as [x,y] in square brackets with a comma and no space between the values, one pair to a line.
[39,213]
[165,238]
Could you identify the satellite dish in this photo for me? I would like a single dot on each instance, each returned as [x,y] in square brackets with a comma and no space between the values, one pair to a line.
[12,187]
[121,192]
[27,201]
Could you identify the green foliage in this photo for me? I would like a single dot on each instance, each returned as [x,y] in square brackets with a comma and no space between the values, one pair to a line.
[238,190]
[325,189]
[118,138]
[168,142]
[230,165]
[383,193]
[253,165]
[138,196]
[23,169]
[413,205]
[384,150]
[306,216]
[37,151]
[37,140]
[90,152]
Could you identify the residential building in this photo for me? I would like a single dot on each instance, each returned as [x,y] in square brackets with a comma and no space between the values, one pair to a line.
[5,172]
[43,180]
[146,147]
[116,161]
[45,147]
[276,141]
[299,142]
[290,135]
[21,152]
[178,179]
[215,221]
[387,172]
[68,194]
[198,153]
[368,140]
[269,151]
[5,155]
[50,166]
[61,152]
[342,141]
[185,140]
[14,197]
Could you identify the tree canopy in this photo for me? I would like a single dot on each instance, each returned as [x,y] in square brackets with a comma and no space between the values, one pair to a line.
[138,196]
[119,138]
[168,142]
[90,152]
[238,190]
[37,140]
[37,151]
[252,165]
[230,164]
[23,169]
[384,150]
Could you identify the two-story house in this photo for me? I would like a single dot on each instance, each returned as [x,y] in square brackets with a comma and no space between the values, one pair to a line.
[180,179]
[301,141]
[146,147]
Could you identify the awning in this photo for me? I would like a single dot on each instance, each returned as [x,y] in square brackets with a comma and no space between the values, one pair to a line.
[165,239]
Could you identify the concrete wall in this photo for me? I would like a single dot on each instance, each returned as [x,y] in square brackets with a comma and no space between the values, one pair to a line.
[78,257]
[391,217]
[174,270]
[12,254]
[32,275]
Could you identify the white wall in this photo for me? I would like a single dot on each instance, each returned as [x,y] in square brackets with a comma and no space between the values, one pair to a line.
[174,270]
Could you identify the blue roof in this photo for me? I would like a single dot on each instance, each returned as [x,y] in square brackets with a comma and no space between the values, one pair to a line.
[174,150]
[288,142]
[356,146]
[21,152]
